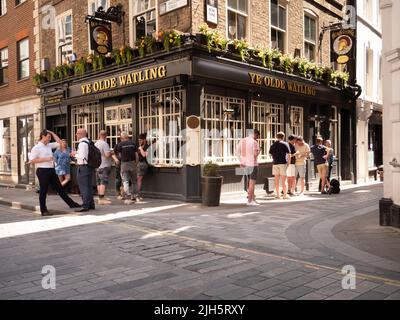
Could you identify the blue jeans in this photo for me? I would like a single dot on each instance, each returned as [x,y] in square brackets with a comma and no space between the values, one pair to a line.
[84,177]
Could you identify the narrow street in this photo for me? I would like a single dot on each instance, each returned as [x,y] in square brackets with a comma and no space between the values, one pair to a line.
[292,249]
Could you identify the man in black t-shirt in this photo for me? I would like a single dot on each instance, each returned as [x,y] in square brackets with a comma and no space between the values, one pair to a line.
[127,151]
[279,151]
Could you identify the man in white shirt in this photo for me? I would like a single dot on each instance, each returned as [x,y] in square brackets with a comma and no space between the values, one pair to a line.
[42,156]
[103,172]
[84,172]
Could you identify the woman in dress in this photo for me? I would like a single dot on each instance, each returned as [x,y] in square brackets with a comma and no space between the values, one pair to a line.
[63,159]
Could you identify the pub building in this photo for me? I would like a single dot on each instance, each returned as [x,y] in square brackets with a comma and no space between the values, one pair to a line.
[194,107]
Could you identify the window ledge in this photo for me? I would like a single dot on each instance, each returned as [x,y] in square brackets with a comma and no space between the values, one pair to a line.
[22,80]
[20,4]
[4,85]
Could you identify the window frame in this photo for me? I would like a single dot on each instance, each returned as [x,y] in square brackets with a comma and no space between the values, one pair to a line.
[153,117]
[20,61]
[63,16]
[123,124]
[2,68]
[3,5]
[223,146]
[313,16]
[97,2]
[237,12]
[268,122]
[9,154]
[277,28]
[19,2]
[141,13]
[90,112]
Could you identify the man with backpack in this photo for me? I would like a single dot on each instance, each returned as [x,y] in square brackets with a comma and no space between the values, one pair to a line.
[88,158]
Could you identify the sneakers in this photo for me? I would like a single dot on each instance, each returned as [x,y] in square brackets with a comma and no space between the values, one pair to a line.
[104,201]
[252,204]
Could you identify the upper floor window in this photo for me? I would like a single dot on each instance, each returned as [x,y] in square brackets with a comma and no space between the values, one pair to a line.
[3,66]
[278,26]
[3,7]
[144,20]
[368,8]
[237,19]
[310,37]
[369,69]
[18,2]
[94,5]
[64,38]
[23,59]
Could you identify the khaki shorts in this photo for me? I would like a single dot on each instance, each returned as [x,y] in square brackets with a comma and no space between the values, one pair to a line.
[279,169]
[322,169]
[291,170]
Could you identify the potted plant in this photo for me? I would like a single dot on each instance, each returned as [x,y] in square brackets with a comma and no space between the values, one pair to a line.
[37,79]
[300,67]
[266,58]
[117,56]
[80,67]
[211,184]
[326,75]
[240,47]
[276,58]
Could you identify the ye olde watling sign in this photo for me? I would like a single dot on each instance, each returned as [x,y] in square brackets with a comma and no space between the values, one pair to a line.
[124,80]
[272,82]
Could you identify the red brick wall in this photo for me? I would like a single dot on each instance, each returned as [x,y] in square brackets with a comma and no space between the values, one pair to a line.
[16,25]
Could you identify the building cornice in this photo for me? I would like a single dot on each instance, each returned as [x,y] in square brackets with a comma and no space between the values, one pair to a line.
[386,4]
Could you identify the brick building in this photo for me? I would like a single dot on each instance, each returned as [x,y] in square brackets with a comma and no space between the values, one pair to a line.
[19,103]
[169,87]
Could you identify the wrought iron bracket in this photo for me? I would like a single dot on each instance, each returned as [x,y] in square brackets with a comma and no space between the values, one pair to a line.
[114,14]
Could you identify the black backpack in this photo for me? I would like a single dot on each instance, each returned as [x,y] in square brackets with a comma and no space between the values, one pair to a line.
[335,186]
[94,155]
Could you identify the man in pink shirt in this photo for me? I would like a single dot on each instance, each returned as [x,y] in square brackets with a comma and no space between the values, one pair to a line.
[247,152]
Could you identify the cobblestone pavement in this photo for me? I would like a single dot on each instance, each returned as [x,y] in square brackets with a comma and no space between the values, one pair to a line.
[292,249]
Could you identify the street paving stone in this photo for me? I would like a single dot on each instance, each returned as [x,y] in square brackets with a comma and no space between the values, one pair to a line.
[189,252]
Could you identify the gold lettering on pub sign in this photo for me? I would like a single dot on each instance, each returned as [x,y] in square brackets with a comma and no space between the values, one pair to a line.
[125,80]
[291,86]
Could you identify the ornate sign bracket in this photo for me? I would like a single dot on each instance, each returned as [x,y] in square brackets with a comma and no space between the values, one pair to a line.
[114,14]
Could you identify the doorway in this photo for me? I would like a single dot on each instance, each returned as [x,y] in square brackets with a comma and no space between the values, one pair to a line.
[25,141]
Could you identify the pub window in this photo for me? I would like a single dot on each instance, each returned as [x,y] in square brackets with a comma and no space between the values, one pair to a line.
[296,120]
[160,118]
[3,66]
[224,126]
[23,59]
[278,26]
[3,7]
[94,5]
[87,116]
[268,119]
[64,37]
[237,19]
[310,36]
[5,146]
[116,120]
[144,20]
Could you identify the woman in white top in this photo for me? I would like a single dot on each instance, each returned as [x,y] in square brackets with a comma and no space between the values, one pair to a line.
[42,157]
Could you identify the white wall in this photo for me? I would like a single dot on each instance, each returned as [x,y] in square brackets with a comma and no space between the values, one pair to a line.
[391,94]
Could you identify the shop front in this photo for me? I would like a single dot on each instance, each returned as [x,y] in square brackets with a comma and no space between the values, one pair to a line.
[194,107]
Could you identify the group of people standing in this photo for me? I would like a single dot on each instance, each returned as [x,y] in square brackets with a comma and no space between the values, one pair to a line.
[289,163]
[53,168]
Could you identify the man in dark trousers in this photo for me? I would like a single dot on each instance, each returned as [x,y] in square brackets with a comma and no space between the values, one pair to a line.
[127,151]
[85,172]
[42,156]
[280,154]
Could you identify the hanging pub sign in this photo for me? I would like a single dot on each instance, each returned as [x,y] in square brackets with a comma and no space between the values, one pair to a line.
[212,11]
[100,36]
